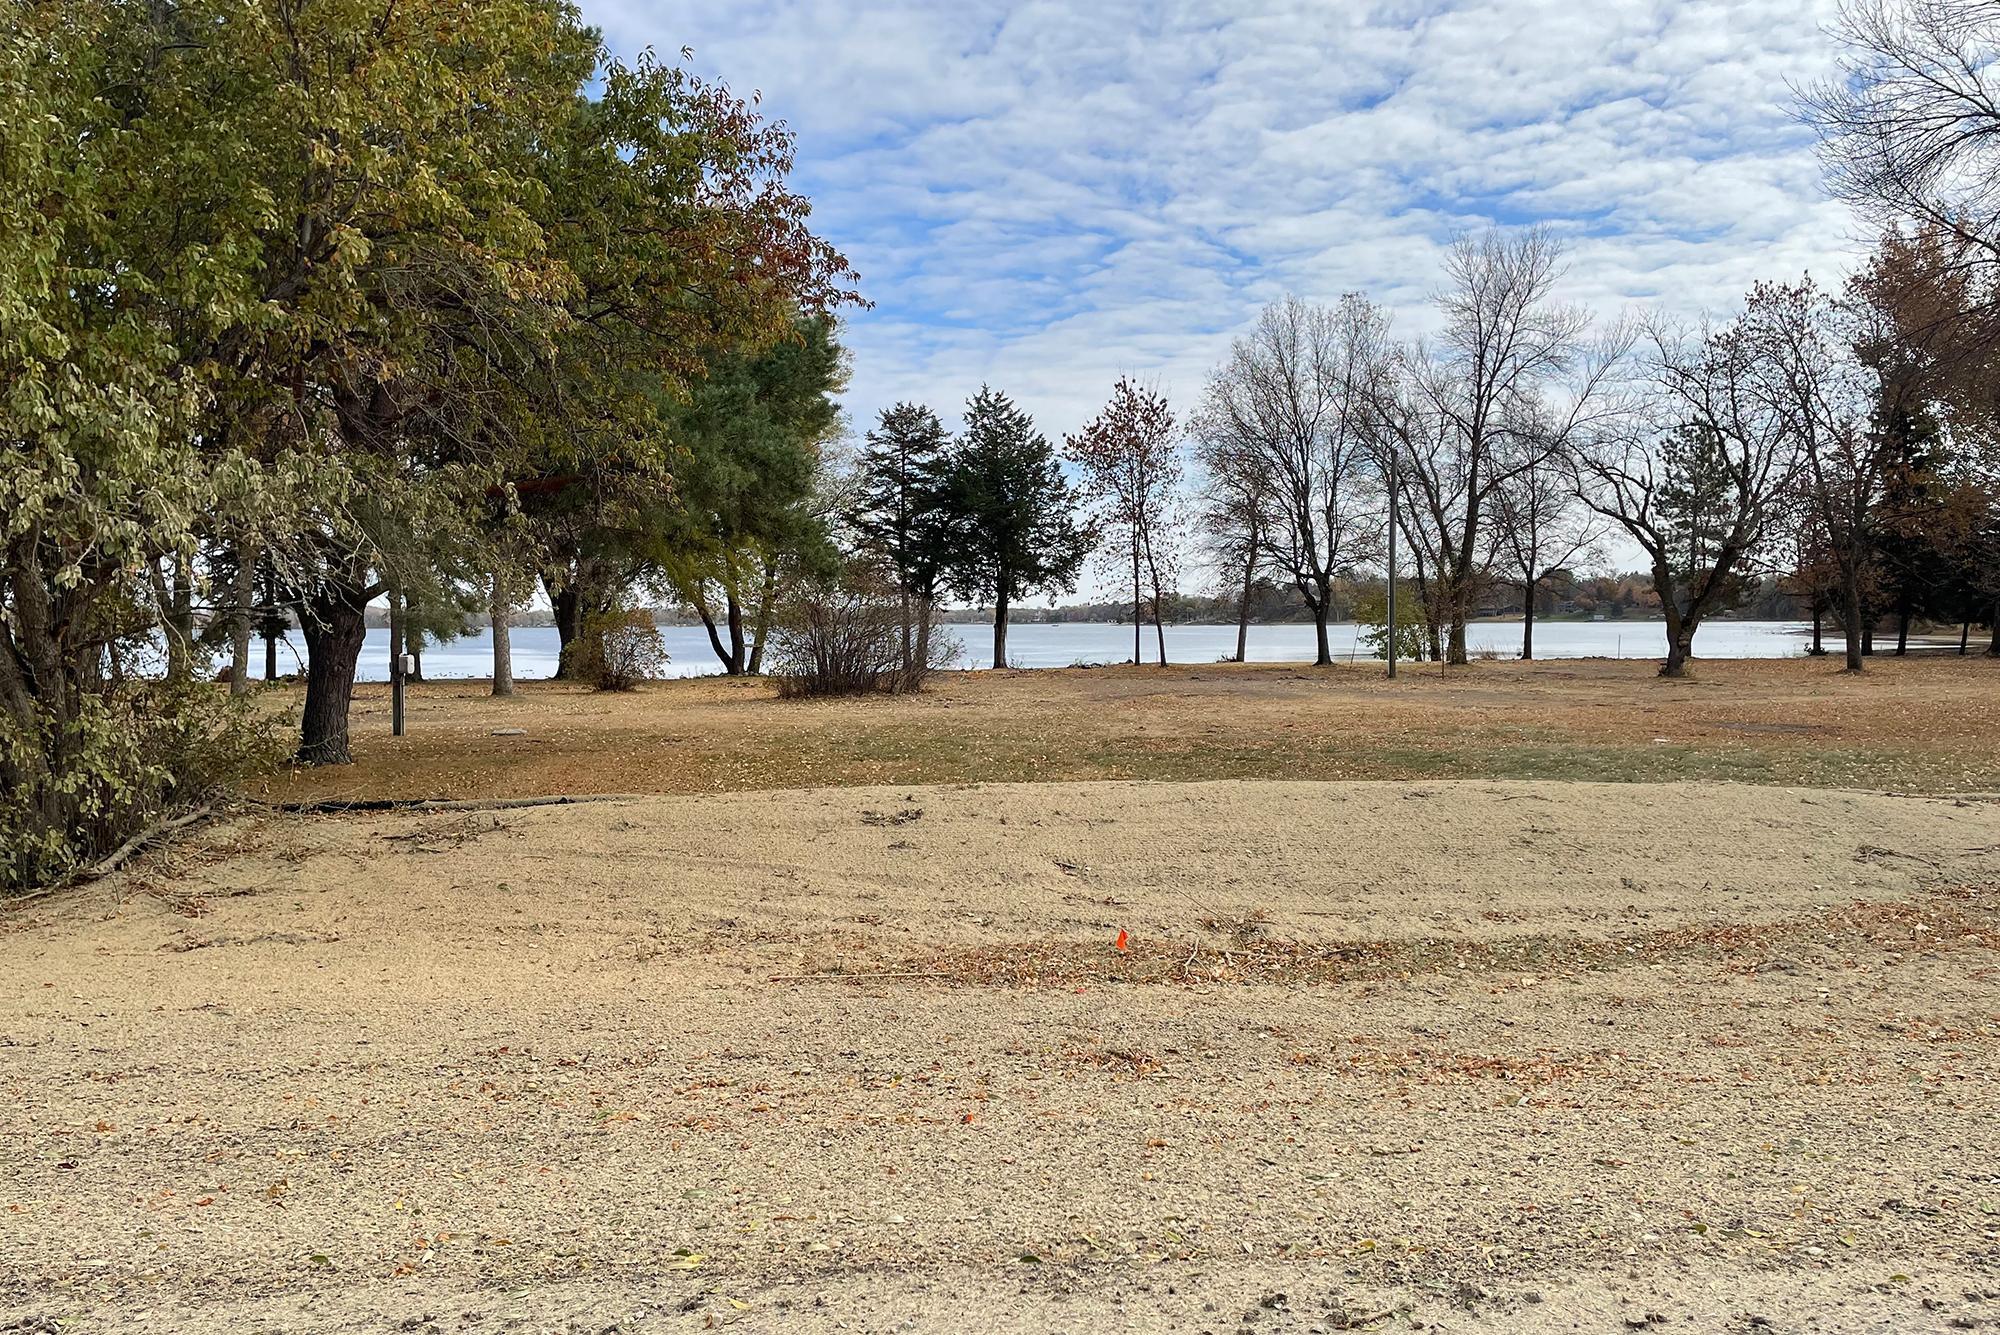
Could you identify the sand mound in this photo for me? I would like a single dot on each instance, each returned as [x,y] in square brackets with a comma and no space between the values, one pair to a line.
[867,1055]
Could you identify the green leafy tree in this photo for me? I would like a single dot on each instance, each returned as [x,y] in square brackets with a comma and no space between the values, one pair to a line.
[477,262]
[517,283]
[1911,527]
[108,476]
[1696,498]
[745,485]
[372,190]
[1011,517]
[666,200]
[296,289]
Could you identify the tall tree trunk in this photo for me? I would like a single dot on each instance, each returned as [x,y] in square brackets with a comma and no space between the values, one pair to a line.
[737,634]
[274,619]
[1819,617]
[503,639]
[734,609]
[1138,614]
[1993,649]
[1528,624]
[1680,626]
[242,595]
[1427,605]
[1323,652]
[1850,606]
[1243,604]
[760,634]
[1000,628]
[767,597]
[714,634]
[1455,588]
[1159,604]
[1680,648]
[1965,636]
[167,593]
[1680,645]
[566,606]
[1903,629]
[184,609]
[335,624]
[37,681]
[903,594]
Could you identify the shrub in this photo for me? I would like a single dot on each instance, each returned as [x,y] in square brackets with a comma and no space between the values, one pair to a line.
[617,650]
[845,637]
[72,791]
[1371,615]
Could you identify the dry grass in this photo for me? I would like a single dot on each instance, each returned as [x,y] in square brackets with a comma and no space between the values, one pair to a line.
[1920,724]
[1946,920]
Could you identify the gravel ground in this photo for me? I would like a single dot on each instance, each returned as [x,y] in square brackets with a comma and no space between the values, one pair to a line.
[1449,1056]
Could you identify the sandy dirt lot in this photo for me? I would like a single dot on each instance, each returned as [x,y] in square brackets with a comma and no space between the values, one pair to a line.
[1494,1056]
[1924,724]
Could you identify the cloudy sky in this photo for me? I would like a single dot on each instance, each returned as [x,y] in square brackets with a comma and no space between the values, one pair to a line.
[1046,195]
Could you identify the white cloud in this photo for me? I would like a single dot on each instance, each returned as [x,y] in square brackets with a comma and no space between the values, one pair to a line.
[1045,195]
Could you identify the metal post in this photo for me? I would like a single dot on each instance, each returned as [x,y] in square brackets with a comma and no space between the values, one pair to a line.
[396,662]
[273,620]
[1392,565]
[399,662]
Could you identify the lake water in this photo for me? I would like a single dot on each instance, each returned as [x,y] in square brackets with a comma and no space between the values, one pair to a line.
[1069,643]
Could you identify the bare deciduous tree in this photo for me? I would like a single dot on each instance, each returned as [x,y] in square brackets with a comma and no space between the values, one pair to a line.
[1541,526]
[1513,377]
[1842,423]
[1229,517]
[1130,457]
[1292,403]
[1910,128]
[1697,481]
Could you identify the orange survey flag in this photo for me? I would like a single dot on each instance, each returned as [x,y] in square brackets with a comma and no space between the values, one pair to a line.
[1120,943]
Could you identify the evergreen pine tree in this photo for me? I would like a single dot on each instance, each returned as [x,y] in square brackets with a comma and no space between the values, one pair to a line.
[900,512]
[1011,518]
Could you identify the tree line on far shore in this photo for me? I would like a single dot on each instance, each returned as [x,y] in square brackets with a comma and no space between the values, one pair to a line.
[1565,595]
[1836,448]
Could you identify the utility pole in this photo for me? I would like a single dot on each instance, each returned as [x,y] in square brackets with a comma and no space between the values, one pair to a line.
[1392,565]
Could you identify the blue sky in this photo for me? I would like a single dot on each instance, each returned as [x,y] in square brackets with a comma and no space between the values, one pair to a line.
[1046,196]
